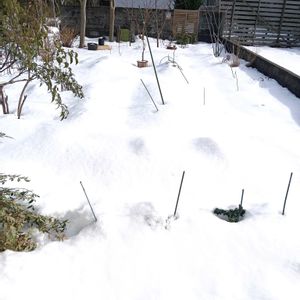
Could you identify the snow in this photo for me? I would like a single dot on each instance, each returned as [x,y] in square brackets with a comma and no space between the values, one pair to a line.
[130,159]
[288,58]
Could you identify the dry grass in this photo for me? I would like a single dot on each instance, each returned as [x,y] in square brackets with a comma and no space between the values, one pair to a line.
[68,36]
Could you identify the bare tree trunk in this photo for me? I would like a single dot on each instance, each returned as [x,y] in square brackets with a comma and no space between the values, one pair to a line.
[22,98]
[82,22]
[112,20]
[3,100]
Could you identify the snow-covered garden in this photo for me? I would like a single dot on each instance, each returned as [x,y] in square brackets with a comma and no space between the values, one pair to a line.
[228,130]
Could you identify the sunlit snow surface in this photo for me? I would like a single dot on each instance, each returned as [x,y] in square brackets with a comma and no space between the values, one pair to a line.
[130,159]
[288,58]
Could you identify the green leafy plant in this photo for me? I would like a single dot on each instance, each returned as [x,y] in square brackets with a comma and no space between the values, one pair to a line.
[231,215]
[19,221]
[32,52]
[185,38]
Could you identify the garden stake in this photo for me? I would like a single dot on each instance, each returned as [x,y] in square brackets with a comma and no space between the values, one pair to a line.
[287,192]
[180,69]
[87,198]
[162,99]
[149,94]
[175,211]
[241,204]
[242,197]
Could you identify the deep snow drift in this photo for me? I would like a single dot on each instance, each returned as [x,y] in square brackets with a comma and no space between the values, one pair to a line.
[130,159]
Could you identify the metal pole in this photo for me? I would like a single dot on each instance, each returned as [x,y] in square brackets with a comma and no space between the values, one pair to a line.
[162,98]
[87,198]
[149,94]
[175,211]
[242,197]
[287,192]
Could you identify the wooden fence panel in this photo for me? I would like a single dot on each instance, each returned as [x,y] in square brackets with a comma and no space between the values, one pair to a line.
[262,22]
[185,21]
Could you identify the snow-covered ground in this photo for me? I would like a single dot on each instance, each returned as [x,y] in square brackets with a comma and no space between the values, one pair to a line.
[288,58]
[130,159]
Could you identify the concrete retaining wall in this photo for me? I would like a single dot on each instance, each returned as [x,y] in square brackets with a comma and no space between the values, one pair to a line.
[283,76]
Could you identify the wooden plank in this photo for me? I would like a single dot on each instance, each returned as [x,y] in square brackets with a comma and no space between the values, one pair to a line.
[271,23]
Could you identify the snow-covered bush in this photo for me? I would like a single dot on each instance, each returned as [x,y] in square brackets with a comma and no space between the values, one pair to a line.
[19,220]
[230,215]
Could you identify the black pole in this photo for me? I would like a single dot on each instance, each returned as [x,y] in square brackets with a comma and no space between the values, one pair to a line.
[161,96]
[175,211]
[287,192]
[149,94]
[242,197]
[87,198]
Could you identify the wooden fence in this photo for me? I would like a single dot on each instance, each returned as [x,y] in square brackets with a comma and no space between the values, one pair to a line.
[185,22]
[262,22]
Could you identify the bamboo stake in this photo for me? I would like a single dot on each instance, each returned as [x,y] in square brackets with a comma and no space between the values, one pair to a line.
[87,198]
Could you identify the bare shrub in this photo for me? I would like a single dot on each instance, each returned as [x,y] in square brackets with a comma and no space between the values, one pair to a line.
[67,36]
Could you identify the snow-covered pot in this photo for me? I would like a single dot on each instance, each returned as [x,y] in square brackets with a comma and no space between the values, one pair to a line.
[92,46]
[171,47]
[142,63]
